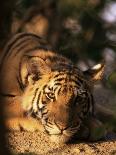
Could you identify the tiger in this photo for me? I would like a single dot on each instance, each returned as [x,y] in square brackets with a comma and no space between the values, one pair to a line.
[41,89]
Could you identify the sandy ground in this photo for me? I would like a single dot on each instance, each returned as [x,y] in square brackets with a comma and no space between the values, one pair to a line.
[39,143]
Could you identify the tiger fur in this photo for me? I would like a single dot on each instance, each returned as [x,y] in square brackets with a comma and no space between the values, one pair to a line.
[43,89]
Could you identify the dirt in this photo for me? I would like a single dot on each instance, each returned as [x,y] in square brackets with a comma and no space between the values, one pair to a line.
[37,143]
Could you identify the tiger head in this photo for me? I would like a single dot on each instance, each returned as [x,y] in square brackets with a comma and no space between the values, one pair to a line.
[60,96]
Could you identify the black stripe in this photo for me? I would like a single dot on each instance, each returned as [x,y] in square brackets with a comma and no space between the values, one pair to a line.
[59,74]
[10,44]
[24,46]
[19,43]
[77,82]
[89,105]
[34,95]
[59,90]
[58,84]
[44,113]
[50,88]
[59,79]
[36,45]
[20,84]
[13,41]
[38,100]
[92,104]
[7,95]
[16,38]
[88,102]
[44,87]
[55,89]
[19,72]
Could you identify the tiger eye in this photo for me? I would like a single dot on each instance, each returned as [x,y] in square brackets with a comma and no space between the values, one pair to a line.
[50,95]
[80,99]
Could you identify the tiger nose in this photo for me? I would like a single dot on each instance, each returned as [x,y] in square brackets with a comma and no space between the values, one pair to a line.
[61,126]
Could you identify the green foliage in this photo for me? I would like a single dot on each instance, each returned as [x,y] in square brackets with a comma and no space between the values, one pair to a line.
[26,3]
[112,80]
[89,41]
[71,7]
[97,132]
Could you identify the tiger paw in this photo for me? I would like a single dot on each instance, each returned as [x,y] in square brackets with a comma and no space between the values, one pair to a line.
[96,128]
[12,124]
[31,124]
[25,124]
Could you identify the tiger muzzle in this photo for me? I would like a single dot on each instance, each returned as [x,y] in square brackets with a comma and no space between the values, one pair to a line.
[62,123]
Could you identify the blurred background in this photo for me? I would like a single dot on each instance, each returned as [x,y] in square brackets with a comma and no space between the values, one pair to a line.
[82,30]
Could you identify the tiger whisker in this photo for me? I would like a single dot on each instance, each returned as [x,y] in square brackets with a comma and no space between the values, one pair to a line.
[49,125]
[75,128]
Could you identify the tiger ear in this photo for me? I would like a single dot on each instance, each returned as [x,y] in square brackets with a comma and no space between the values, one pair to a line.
[95,73]
[37,65]
[32,69]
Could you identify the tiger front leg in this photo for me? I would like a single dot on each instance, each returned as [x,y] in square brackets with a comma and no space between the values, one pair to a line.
[91,129]
[14,116]
[96,129]
[23,124]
